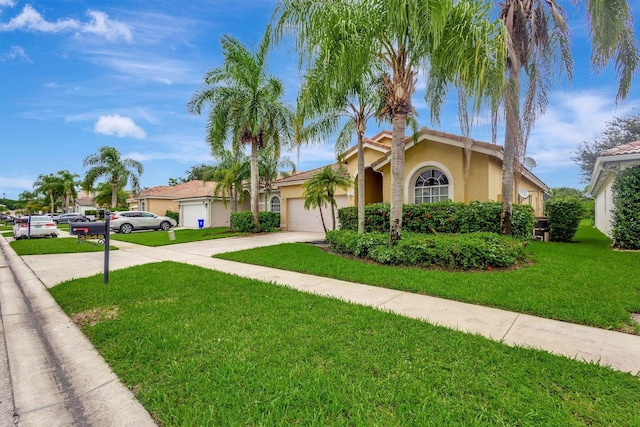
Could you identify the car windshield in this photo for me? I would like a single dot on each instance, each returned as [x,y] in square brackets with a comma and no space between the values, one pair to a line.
[39,218]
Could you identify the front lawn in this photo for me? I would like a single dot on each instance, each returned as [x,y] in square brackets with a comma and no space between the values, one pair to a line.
[582,282]
[47,246]
[161,238]
[199,347]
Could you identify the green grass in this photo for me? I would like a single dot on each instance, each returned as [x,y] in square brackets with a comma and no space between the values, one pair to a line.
[7,233]
[161,238]
[200,347]
[583,282]
[55,246]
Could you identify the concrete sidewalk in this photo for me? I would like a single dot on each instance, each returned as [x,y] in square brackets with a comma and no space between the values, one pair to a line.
[618,350]
[615,349]
[52,375]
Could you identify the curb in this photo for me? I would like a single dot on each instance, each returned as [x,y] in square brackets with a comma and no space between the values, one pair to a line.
[57,376]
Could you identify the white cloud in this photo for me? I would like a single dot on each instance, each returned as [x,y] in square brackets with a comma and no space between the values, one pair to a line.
[571,119]
[99,24]
[103,26]
[119,126]
[7,3]
[14,53]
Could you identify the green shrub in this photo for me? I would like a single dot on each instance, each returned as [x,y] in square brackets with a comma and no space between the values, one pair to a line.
[477,250]
[626,209]
[441,217]
[564,216]
[269,221]
[243,222]
[173,215]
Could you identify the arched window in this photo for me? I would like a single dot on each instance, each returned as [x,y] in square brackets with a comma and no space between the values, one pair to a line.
[275,204]
[431,186]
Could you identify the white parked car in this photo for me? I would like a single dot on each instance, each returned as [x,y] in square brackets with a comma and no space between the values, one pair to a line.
[41,226]
[128,221]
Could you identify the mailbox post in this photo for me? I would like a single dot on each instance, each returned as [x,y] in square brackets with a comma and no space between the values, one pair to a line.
[94,230]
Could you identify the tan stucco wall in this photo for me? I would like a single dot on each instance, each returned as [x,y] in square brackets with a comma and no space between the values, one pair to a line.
[159,206]
[428,153]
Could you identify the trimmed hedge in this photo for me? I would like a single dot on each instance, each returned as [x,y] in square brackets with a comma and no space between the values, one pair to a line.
[243,222]
[471,251]
[564,217]
[173,215]
[626,212]
[441,217]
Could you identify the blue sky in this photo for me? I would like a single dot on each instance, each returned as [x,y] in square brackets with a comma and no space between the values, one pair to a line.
[76,75]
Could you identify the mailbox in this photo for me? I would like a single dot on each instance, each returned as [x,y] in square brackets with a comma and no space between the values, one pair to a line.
[88,230]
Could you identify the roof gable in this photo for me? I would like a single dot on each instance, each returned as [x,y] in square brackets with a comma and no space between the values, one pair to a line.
[631,148]
[195,188]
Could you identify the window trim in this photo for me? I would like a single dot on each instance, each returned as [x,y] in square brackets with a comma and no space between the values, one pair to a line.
[410,182]
[279,204]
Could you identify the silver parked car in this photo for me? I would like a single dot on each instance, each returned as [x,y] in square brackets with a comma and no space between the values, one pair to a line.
[128,221]
[69,217]
[41,226]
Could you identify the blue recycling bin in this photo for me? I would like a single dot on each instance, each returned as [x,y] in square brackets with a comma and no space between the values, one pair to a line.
[201,223]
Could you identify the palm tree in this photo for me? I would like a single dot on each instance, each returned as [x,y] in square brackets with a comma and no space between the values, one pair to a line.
[359,104]
[538,41]
[69,182]
[271,168]
[49,186]
[246,105]
[316,197]
[321,187]
[108,163]
[452,39]
[104,195]
[229,174]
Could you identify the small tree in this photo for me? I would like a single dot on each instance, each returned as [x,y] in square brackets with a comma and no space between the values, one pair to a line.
[564,217]
[626,210]
[619,131]
[321,189]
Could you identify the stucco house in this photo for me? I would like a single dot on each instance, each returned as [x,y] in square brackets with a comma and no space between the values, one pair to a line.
[194,200]
[84,202]
[607,166]
[439,166]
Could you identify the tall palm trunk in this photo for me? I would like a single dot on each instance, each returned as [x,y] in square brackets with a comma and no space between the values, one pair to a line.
[51,199]
[511,144]
[332,202]
[324,226]
[114,194]
[361,182]
[234,198]
[397,175]
[255,195]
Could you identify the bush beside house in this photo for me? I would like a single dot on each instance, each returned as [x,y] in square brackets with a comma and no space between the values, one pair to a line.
[441,217]
[478,250]
[626,211]
[564,217]
[243,222]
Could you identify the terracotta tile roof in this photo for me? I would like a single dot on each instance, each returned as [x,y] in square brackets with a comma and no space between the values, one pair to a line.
[631,148]
[85,201]
[188,189]
[303,176]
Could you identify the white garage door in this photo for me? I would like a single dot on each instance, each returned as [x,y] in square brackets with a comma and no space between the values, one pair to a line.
[192,213]
[300,219]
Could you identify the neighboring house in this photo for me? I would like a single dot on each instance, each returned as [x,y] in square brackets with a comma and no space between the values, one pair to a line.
[194,200]
[604,173]
[84,203]
[439,166]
